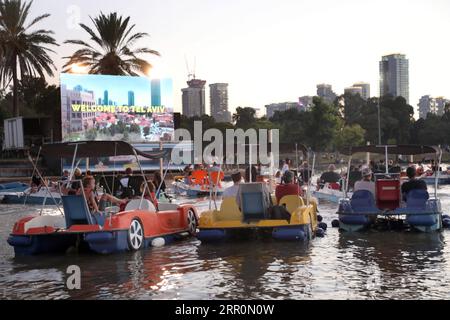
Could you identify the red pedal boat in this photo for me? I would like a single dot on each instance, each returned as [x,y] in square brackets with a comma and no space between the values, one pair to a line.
[138,226]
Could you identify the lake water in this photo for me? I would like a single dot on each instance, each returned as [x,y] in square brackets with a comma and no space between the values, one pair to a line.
[371,265]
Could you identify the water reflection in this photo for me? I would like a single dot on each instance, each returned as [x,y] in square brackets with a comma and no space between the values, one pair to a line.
[260,269]
[396,265]
[370,265]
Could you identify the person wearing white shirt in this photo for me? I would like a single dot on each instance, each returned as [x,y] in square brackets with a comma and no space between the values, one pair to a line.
[232,192]
[286,167]
[366,183]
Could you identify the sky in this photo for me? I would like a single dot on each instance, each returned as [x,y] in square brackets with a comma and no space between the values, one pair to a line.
[276,50]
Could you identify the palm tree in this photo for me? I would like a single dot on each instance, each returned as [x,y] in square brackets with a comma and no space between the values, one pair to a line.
[111,51]
[24,52]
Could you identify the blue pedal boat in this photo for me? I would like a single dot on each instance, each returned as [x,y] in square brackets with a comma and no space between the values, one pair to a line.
[420,211]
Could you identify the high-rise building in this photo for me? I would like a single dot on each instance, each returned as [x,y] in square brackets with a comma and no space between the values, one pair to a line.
[365,89]
[281,107]
[131,98]
[219,102]
[428,104]
[156,93]
[325,91]
[441,103]
[394,76]
[354,91]
[106,98]
[194,98]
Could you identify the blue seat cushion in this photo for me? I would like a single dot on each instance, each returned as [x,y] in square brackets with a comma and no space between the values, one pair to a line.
[364,202]
[76,211]
[252,206]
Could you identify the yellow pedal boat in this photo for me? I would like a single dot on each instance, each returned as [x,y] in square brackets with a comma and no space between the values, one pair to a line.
[231,222]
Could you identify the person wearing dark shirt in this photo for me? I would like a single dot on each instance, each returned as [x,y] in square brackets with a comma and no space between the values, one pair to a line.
[355,176]
[412,183]
[305,173]
[330,176]
[254,174]
[381,167]
[288,187]
[159,183]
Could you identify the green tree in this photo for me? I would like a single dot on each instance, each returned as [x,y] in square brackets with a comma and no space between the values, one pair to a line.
[350,136]
[111,49]
[24,52]
[398,119]
[351,108]
[244,118]
[324,125]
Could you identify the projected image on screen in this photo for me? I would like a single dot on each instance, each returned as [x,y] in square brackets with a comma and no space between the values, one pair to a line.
[132,109]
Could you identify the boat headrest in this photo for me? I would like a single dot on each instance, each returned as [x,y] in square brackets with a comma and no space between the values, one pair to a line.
[136,205]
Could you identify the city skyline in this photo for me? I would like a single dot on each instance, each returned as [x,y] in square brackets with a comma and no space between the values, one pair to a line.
[293,50]
[115,90]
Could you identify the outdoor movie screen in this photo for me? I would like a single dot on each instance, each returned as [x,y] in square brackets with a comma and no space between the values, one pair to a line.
[132,109]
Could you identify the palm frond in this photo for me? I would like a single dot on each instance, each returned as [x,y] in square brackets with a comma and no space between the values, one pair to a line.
[115,38]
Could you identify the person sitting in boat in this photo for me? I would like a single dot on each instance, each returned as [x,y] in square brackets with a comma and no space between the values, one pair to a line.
[354,176]
[89,194]
[412,183]
[286,166]
[127,192]
[159,183]
[233,191]
[288,187]
[254,174]
[36,184]
[150,193]
[278,177]
[187,178]
[381,166]
[366,183]
[94,201]
[331,177]
[65,176]
[395,168]
[304,173]
[76,185]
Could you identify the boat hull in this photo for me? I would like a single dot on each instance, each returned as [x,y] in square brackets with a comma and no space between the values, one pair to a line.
[429,219]
[35,235]
[286,233]
[25,245]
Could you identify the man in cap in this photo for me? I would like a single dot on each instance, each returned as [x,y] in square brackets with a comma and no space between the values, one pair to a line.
[366,183]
